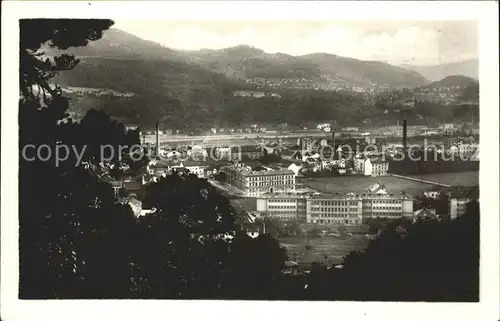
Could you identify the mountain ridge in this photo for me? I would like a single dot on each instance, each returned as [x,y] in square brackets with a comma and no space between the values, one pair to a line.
[468,68]
[245,62]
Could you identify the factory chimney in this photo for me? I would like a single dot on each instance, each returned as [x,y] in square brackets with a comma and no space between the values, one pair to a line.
[157,139]
[404,134]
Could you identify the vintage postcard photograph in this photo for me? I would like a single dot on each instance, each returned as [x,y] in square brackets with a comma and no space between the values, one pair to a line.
[285,160]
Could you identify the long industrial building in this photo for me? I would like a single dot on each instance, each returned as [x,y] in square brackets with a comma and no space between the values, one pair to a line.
[335,209]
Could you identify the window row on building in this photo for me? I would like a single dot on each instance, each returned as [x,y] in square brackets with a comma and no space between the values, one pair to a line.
[255,183]
[350,209]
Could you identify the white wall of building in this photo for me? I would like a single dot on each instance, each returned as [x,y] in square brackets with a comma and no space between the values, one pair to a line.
[458,207]
[367,167]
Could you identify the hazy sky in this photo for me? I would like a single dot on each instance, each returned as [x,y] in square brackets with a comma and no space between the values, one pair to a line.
[396,42]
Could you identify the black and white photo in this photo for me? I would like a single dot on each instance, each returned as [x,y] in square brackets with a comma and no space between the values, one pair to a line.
[252,159]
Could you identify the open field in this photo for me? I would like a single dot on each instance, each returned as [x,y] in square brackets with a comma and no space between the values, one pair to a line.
[359,184]
[334,249]
[461,178]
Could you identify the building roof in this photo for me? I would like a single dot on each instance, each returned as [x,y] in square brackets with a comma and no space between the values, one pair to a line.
[376,188]
[385,196]
[293,195]
[247,171]
[271,173]
[336,197]
[424,211]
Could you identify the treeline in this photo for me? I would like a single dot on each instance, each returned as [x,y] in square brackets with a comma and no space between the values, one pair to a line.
[198,108]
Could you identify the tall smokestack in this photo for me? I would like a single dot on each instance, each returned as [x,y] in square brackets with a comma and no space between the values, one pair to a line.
[404,134]
[157,139]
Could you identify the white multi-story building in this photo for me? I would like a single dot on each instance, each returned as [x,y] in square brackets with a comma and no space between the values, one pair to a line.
[363,166]
[255,183]
[224,153]
[282,207]
[466,149]
[325,209]
[306,143]
[368,167]
[195,168]
[379,168]
[458,206]
[334,209]
[386,205]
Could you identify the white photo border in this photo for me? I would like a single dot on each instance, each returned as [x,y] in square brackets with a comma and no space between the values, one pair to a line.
[485,12]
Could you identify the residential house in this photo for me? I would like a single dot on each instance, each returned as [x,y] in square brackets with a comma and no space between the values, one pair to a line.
[148,179]
[195,167]
[432,194]
[379,168]
[295,168]
[306,143]
[425,214]
[224,153]
[458,206]
[377,188]
[251,152]
[363,165]
[467,149]
[459,197]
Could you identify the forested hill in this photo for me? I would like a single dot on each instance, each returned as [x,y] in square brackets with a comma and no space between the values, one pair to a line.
[226,87]
[247,63]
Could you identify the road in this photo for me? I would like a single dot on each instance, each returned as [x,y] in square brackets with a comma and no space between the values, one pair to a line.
[245,136]
[242,138]
[227,189]
[420,180]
